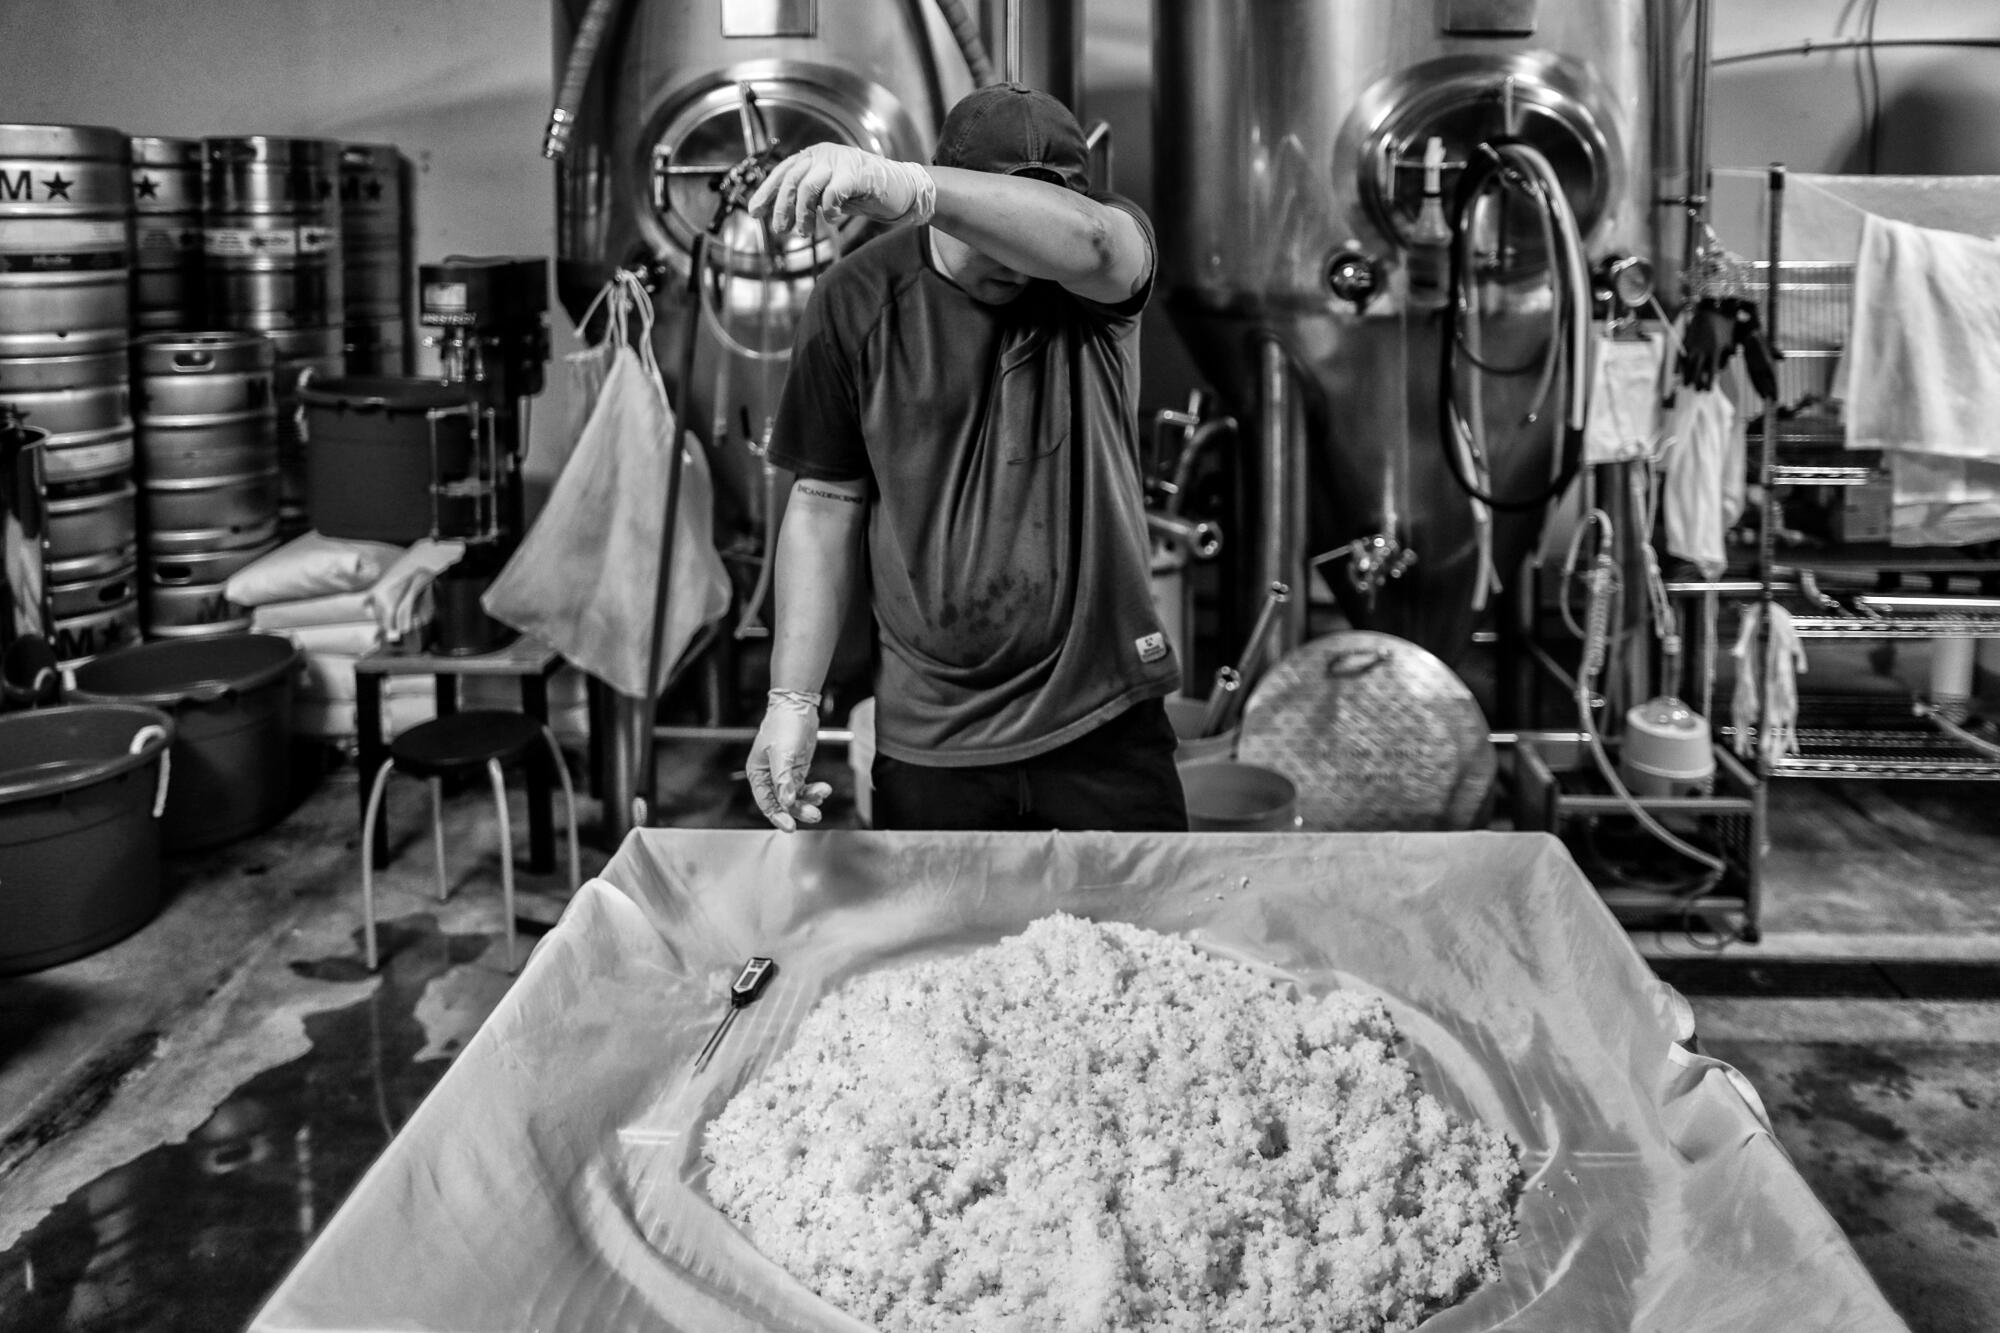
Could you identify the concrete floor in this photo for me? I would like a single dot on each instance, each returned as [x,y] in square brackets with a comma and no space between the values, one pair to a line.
[181,1112]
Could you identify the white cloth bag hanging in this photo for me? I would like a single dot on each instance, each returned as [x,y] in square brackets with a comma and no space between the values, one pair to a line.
[583,580]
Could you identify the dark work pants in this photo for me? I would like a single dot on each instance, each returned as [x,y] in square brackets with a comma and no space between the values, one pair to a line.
[1120,777]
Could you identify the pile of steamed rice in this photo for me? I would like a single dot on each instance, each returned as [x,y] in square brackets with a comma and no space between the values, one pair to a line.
[1093,1126]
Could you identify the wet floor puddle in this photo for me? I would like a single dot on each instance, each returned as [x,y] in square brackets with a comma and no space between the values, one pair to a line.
[196,1234]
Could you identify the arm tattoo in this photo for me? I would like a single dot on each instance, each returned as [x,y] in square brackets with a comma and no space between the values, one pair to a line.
[820,492]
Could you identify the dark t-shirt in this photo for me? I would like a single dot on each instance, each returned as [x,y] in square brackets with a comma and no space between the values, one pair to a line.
[1007,544]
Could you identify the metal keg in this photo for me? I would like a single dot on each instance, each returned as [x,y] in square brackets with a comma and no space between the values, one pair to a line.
[184,596]
[67,394]
[374,234]
[208,422]
[92,633]
[87,591]
[206,404]
[90,520]
[89,456]
[65,239]
[169,278]
[83,401]
[304,355]
[211,513]
[271,232]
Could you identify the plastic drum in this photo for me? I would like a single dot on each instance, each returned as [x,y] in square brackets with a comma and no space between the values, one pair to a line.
[373,446]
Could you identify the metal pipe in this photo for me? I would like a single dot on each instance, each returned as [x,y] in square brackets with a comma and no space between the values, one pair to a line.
[1097,144]
[1281,491]
[1010,11]
[1808,47]
[1197,444]
[1199,538]
[1697,144]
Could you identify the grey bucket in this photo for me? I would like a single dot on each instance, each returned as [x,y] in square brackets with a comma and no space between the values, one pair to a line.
[231,700]
[1225,796]
[79,829]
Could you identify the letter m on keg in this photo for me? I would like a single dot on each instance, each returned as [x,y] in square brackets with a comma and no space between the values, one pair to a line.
[20,185]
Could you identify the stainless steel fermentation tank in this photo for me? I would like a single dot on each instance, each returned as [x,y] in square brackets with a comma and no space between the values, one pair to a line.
[684,94]
[1289,143]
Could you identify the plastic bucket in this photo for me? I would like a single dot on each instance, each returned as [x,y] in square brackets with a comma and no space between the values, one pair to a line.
[1194,748]
[231,701]
[1225,796]
[79,836]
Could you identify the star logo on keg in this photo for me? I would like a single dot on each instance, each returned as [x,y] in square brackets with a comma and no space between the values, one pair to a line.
[58,188]
[259,242]
[325,188]
[147,187]
[374,188]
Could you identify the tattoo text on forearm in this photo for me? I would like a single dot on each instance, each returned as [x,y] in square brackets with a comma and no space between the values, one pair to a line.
[821,493]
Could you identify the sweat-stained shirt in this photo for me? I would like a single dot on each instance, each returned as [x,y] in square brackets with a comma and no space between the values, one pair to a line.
[1007,543]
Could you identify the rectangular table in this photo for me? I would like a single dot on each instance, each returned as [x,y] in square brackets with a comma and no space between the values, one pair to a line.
[550,1180]
[527,659]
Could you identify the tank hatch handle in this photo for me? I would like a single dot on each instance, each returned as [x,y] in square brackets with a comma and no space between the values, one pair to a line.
[1487,18]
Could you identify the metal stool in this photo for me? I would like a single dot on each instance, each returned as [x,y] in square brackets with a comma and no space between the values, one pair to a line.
[451,746]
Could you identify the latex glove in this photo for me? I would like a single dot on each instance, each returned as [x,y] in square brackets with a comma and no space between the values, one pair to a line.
[832,180]
[781,756]
[400,599]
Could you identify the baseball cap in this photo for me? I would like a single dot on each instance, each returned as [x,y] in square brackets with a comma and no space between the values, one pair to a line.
[1010,128]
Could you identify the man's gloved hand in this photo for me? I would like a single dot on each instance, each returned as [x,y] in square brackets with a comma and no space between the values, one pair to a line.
[832,180]
[780,758]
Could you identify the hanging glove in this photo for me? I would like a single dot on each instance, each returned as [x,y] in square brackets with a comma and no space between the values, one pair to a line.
[1758,361]
[832,180]
[1708,341]
[781,756]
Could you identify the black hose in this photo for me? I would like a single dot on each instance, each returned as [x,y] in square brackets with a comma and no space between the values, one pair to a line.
[1481,171]
[684,438]
[577,69]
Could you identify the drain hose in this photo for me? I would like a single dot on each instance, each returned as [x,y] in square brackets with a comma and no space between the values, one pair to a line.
[582,60]
[1504,163]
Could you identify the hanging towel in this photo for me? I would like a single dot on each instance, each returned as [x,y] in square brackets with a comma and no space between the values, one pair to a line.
[1703,491]
[1923,351]
[584,580]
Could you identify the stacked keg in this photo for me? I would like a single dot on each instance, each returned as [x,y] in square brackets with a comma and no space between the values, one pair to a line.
[168,276]
[65,311]
[271,234]
[208,445]
[375,258]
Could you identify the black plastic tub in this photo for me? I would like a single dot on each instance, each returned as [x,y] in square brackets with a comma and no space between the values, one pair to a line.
[79,829]
[231,700]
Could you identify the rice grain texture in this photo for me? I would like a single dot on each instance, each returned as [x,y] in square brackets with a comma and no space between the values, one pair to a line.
[1097,1127]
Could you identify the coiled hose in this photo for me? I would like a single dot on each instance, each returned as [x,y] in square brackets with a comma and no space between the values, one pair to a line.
[577,69]
[965,31]
[1503,163]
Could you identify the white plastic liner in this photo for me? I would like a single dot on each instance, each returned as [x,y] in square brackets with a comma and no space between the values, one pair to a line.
[551,1180]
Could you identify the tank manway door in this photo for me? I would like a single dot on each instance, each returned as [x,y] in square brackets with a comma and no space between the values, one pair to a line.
[1465,101]
[713,145]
